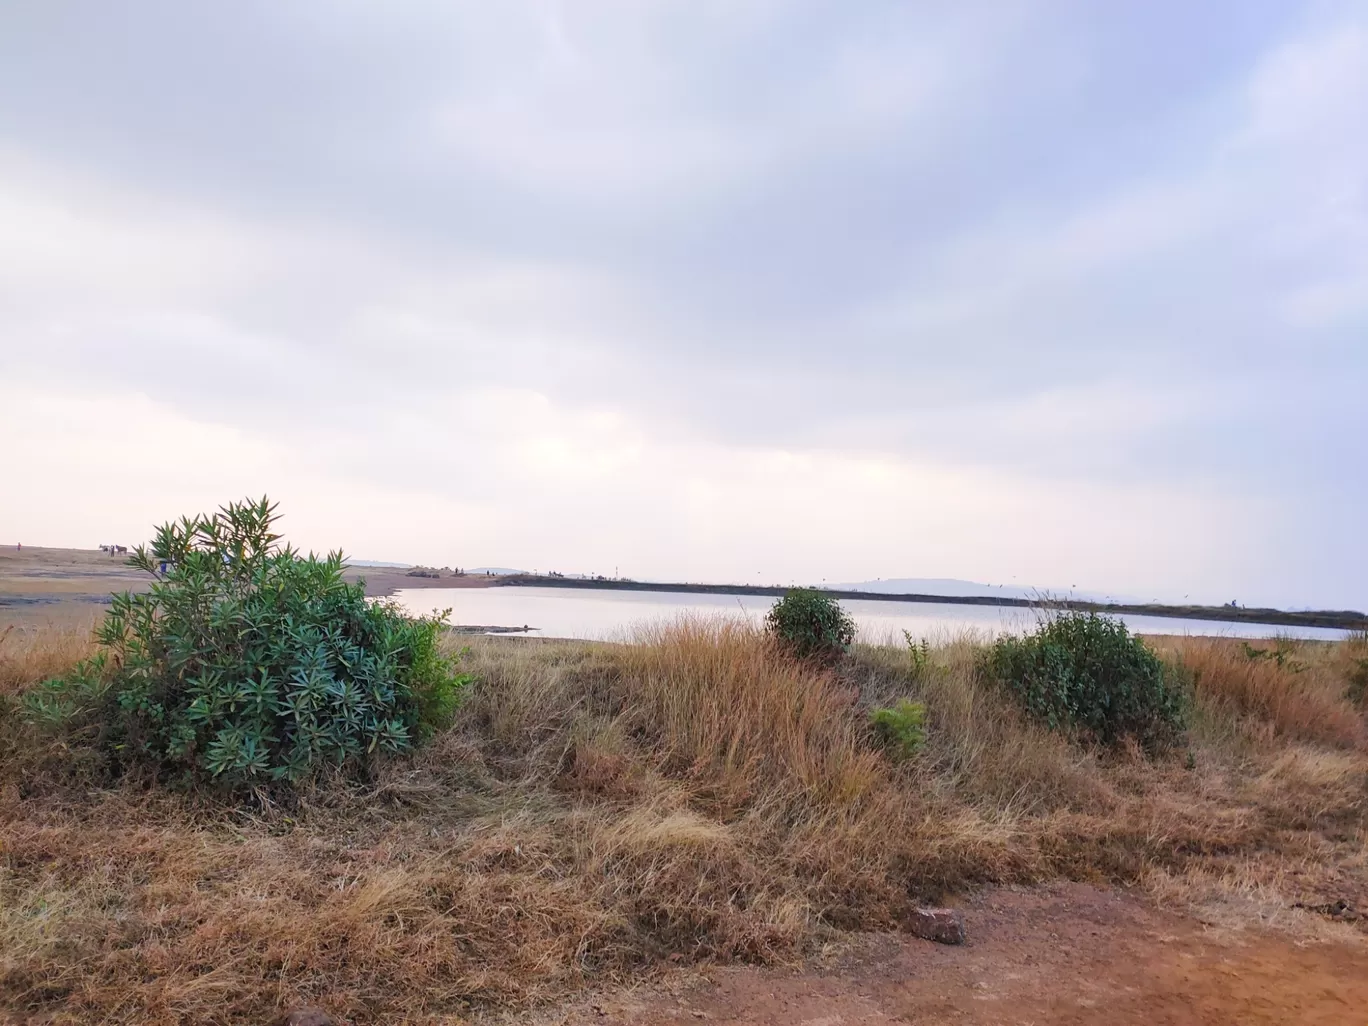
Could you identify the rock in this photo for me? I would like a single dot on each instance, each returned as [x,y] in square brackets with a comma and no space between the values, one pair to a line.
[307,1015]
[942,925]
[1339,910]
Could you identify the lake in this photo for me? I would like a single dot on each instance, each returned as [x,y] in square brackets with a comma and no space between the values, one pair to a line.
[612,615]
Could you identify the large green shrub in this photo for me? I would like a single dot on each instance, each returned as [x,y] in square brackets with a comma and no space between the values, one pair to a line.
[1088,674]
[247,662]
[810,624]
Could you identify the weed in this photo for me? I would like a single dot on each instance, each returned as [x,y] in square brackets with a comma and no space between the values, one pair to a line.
[1280,654]
[919,654]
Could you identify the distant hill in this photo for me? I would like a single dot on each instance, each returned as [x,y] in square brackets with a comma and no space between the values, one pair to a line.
[933,586]
[956,587]
[378,563]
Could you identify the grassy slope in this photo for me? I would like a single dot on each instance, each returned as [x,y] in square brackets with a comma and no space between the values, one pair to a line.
[602,811]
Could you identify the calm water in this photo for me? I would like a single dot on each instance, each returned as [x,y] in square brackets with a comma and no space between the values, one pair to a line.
[612,615]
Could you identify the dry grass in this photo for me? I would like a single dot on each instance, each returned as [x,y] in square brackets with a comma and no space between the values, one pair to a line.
[1287,689]
[602,811]
[32,654]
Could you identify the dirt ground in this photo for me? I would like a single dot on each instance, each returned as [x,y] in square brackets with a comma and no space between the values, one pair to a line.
[1070,955]
[59,587]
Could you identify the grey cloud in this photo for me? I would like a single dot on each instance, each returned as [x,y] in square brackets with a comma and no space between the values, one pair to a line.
[1039,236]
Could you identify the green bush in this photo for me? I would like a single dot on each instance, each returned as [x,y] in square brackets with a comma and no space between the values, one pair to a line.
[247,662]
[1086,673]
[901,728]
[810,624]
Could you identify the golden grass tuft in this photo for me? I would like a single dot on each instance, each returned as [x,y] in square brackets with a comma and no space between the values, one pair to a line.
[31,654]
[1295,690]
[601,811]
[723,704]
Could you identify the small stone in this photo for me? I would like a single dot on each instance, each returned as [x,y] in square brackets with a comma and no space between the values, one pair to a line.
[942,925]
[308,1015]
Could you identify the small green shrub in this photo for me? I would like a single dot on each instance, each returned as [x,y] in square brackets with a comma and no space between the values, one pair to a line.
[901,728]
[246,662]
[1088,674]
[810,624]
[919,654]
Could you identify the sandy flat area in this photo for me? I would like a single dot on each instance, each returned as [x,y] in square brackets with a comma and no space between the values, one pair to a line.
[40,586]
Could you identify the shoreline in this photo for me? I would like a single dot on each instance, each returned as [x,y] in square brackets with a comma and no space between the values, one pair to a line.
[40,581]
[1346,620]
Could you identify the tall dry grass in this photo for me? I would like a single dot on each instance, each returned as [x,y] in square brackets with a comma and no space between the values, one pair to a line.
[1288,689]
[30,654]
[725,705]
[602,811]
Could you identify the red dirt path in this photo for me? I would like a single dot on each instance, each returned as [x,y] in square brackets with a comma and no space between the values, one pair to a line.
[1070,955]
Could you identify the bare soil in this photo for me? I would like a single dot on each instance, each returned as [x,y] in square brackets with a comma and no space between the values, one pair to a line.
[41,587]
[1066,954]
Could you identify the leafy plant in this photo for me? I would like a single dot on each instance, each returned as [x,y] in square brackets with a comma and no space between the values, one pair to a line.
[1087,673]
[810,624]
[247,662]
[919,654]
[901,727]
[1281,654]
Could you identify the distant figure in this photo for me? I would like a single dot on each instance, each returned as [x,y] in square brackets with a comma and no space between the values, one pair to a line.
[19,546]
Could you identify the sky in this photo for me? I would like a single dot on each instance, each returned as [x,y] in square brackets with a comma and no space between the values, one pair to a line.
[1026,292]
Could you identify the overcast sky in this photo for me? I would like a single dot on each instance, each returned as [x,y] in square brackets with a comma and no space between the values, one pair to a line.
[1050,293]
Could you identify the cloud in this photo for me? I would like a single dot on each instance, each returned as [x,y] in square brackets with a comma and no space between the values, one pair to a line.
[1000,290]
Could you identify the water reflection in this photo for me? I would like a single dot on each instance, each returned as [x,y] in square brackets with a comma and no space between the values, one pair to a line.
[612,615]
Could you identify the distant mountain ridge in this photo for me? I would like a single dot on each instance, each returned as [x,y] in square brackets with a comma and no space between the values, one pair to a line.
[955,587]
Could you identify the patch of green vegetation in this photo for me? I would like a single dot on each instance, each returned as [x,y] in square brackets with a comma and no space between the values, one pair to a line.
[919,655]
[1087,674]
[247,662]
[811,625]
[901,727]
[1281,654]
